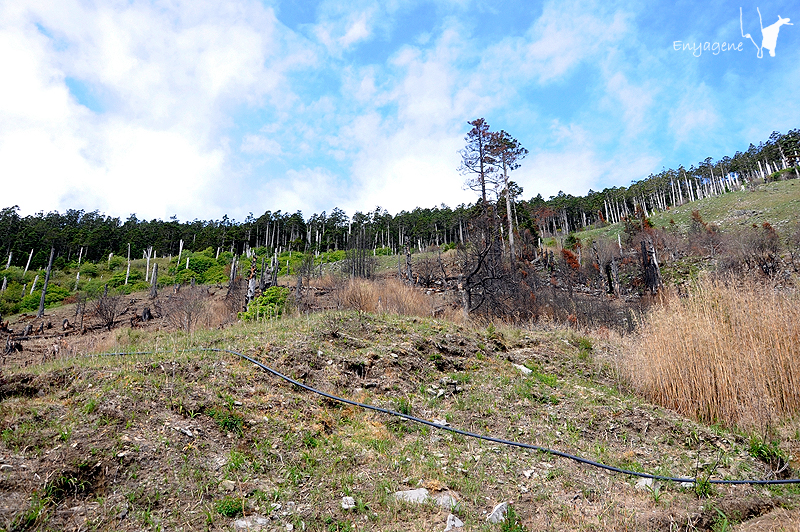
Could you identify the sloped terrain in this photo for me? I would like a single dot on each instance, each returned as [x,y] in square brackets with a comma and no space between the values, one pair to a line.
[179,439]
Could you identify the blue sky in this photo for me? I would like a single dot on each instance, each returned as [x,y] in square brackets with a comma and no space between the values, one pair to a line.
[204,108]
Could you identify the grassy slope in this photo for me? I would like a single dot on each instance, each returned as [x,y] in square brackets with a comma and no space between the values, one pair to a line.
[777,203]
[103,443]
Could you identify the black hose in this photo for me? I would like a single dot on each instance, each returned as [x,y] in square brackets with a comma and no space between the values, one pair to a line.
[469,434]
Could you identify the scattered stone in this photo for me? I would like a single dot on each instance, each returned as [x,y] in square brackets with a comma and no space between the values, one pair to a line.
[253,522]
[645,484]
[687,484]
[440,422]
[530,473]
[419,495]
[3,467]
[348,503]
[289,527]
[187,432]
[227,485]
[498,515]
[446,501]
[523,369]
[453,522]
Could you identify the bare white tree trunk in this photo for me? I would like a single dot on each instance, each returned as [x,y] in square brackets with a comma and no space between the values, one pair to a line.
[78,275]
[35,280]
[128,273]
[27,265]
[154,283]
[147,269]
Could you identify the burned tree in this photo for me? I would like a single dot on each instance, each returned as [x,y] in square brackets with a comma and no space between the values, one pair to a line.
[477,160]
[507,152]
[107,308]
[46,280]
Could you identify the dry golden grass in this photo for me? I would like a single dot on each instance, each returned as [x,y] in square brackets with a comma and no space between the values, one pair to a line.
[728,353]
[386,295]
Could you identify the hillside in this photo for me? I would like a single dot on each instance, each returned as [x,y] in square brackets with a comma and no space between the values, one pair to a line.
[178,439]
[777,203]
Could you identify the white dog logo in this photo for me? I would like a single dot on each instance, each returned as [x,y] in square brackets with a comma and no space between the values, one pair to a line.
[769,35]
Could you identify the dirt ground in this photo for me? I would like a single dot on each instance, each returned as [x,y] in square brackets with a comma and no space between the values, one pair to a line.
[148,443]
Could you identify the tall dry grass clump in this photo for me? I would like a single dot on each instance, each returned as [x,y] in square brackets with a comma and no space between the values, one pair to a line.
[728,353]
[388,295]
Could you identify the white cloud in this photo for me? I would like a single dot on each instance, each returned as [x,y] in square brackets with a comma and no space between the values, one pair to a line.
[261,144]
[307,188]
[695,113]
[169,74]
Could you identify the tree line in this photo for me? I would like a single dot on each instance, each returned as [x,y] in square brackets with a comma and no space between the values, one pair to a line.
[94,236]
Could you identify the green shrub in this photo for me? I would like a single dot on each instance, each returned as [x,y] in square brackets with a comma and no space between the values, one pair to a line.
[225,258]
[116,262]
[118,279]
[215,274]
[55,294]
[87,268]
[199,262]
[185,276]
[271,304]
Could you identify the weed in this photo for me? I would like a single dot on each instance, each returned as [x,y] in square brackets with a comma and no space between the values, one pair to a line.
[703,488]
[28,518]
[236,460]
[309,440]
[769,453]
[90,406]
[230,506]
[228,420]
[403,405]
[721,522]
[512,522]
[335,525]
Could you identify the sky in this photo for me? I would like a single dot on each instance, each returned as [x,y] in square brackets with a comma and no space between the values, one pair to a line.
[202,108]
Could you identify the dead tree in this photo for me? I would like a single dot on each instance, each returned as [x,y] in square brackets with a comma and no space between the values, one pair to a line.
[154,283]
[46,280]
[251,284]
[650,269]
[128,272]
[107,309]
[27,264]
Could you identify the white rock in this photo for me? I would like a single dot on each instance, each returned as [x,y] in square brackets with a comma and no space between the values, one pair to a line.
[440,422]
[498,515]
[418,496]
[687,484]
[644,484]
[348,503]
[227,485]
[453,522]
[523,369]
[446,501]
[252,522]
